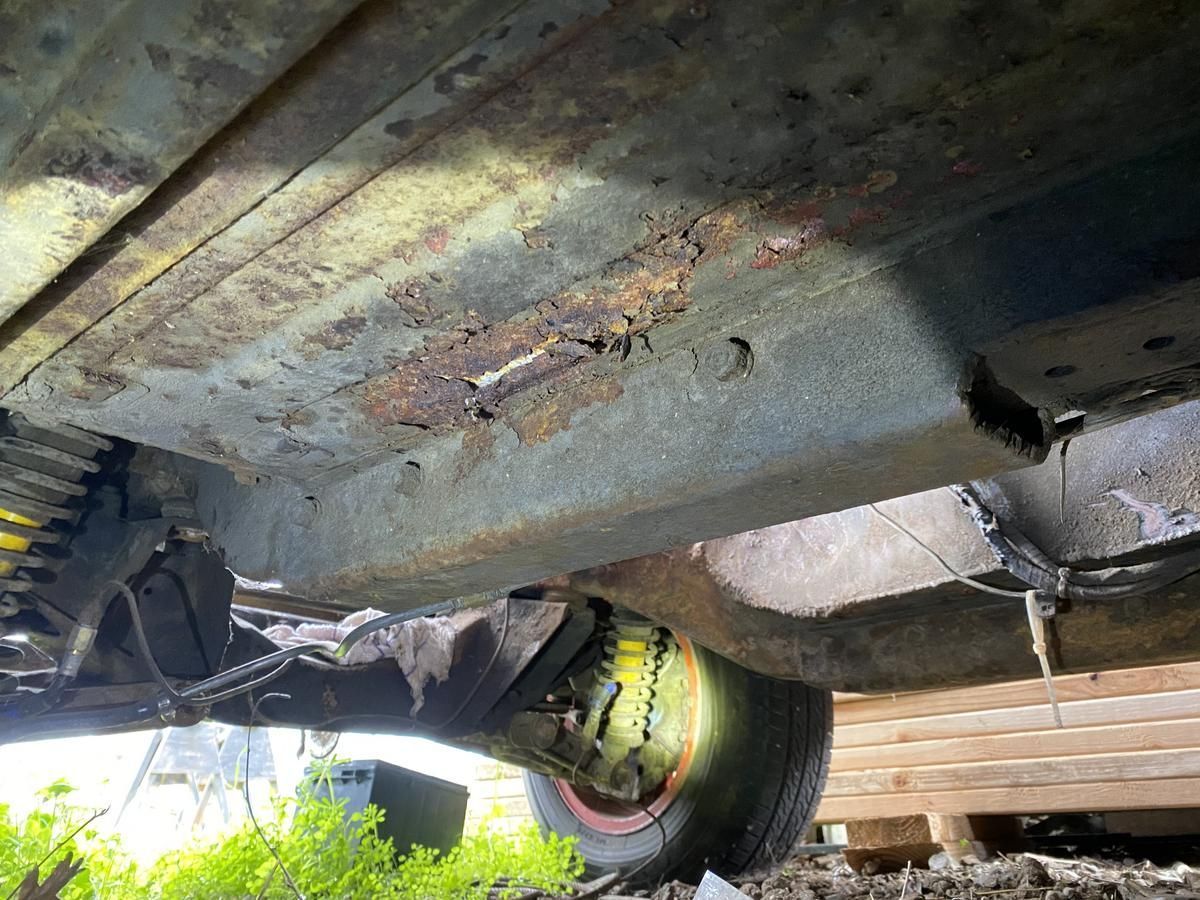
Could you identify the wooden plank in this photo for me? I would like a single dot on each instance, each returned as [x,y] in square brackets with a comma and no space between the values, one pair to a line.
[870,860]
[1078,714]
[1167,735]
[889,843]
[885,831]
[1091,797]
[847,697]
[1154,764]
[858,708]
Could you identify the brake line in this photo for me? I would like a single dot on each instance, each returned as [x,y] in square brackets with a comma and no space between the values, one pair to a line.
[174,697]
[1050,582]
[933,554]
[193,693]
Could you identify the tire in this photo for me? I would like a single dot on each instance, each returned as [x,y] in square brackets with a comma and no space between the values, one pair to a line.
[750,790]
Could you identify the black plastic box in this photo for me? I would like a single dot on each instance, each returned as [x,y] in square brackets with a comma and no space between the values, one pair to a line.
[418,809]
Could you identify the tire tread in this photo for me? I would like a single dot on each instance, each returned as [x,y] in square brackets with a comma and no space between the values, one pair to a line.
[799,772]
[779,759]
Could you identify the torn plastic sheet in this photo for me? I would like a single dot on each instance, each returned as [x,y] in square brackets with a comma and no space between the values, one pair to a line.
[422,648]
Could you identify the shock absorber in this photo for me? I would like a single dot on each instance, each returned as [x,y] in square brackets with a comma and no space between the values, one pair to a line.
[41,469]
[631,651]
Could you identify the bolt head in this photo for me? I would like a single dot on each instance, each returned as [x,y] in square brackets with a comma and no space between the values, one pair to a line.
[727,360]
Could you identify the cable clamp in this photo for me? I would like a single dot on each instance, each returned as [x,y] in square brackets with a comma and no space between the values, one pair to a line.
[1064,581]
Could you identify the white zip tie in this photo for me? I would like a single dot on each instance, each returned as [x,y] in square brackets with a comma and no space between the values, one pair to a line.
[1037,629]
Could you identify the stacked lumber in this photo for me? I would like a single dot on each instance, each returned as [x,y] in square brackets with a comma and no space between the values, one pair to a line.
[1130,742]
[497,796]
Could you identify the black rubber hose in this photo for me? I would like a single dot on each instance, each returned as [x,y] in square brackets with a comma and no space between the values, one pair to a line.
[20,713]
[1007,554]
[1026,561]
[79,644]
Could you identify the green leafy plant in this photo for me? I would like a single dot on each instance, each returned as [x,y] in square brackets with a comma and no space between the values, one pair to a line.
[522,860]
[59,827]
[326,854]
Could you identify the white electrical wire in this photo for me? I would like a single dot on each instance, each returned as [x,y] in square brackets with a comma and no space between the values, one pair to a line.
[1037,625]
[970,582]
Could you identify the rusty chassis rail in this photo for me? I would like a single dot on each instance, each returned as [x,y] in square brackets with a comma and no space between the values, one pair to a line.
[473,295]
[903,379]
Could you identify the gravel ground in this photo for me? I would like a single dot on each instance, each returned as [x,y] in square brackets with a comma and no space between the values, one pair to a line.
[1016,877]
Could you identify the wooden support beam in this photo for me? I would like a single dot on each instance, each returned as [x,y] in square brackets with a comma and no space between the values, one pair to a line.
[852,709]
[1080,797]
[1078,714]
[870,860]
[1164,764]
[890,843]
[1180,734]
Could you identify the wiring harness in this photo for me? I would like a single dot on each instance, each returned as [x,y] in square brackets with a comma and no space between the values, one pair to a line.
[215,689]
[1048,581]
[1027,562]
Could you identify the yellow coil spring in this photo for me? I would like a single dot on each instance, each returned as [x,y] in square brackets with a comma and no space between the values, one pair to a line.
[16,544]
[41,466]
[630,657]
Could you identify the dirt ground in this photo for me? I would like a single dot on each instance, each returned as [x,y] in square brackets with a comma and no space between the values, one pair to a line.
[1016,877]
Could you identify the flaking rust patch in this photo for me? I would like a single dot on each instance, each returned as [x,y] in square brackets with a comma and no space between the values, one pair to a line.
[477,444]
[554,413]
[465,374]
[102,169]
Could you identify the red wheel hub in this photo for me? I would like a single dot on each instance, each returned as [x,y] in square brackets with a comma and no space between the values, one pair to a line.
[617,817]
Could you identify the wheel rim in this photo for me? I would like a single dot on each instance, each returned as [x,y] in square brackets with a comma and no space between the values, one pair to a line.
[616,817]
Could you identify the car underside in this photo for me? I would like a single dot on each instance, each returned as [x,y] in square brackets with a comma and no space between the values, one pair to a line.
[597,386]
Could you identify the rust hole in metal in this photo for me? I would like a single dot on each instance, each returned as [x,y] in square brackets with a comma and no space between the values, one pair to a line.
[1003,414]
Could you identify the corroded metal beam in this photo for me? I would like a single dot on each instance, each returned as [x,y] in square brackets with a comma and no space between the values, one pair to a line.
[239,176]
[871,390]
[613,279]
[101,102]
[845,600]
[568,187]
